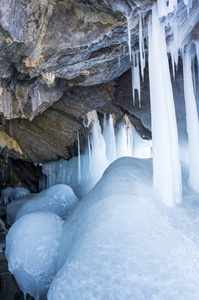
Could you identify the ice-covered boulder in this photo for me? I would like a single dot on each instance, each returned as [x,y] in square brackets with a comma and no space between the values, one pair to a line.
[31,249]
[120,244]
[59,199]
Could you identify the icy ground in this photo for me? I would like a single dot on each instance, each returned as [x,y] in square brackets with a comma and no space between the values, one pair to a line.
[120,242]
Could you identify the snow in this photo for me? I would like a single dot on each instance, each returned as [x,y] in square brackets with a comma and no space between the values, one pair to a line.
[31,249]
[59,199]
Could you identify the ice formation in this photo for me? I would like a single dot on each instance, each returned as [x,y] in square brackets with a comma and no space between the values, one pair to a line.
[104,146]
[9,194]
[192,121]
[59,199]
[166,159]
[121,243]
[31,249]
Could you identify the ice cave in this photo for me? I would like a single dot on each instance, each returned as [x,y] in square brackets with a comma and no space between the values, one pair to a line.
[99,150]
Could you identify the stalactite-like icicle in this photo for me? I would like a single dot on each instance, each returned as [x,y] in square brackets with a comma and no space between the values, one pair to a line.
[109,137]
[175,45]
[192,123]
[166,160]
[136,78]
[89,155]
[165,7]
[141,46]
[129,34]
[79,158]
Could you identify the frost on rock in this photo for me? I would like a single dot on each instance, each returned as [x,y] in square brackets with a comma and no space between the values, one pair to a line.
[31,249]
[59,199]
[120,244]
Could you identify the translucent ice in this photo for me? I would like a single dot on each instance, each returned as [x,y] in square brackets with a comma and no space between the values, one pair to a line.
[166,160]
[10,194]
[103,148]
[31,250]
[59,199]
[21,192]
[7,195]
[192,122]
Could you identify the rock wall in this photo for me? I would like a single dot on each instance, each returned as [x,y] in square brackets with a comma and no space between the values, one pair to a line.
[61,59]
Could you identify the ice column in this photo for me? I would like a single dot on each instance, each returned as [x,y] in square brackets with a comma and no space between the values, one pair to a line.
[79,158]
[166,160]
[98,146]
[109,137]
[192,122]
[141,46]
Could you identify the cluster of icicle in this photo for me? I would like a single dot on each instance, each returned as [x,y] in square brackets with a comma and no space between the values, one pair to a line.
[105,144]
[166,159]
[105,147]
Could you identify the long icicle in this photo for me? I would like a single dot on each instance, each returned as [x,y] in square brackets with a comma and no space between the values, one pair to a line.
[166,159]
[192,122]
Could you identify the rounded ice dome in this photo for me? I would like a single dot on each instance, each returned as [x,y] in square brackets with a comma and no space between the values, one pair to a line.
[31,249]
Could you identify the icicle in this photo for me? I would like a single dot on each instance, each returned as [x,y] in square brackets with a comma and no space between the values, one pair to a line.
[79,158]
[141,46]
[124,51]
[118,60]
[89,154]
[194,74]
[175,45]
[129,34]
[98,145]
[162,8]
[124,139]
[166,160]
[172,5]
[188,3]
[192,123]
[136,78]
[109,137]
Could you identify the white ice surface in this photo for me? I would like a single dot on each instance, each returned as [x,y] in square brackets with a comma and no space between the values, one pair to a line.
[9,194]
[32,249]
[59,199]
[122,243]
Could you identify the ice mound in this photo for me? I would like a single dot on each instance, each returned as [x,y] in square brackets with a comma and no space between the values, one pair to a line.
[59,199]
[13,208]
[120,243]
[9,194]
[21,192]
[31,250]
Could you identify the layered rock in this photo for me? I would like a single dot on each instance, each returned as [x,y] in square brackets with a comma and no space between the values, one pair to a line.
[60,59]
